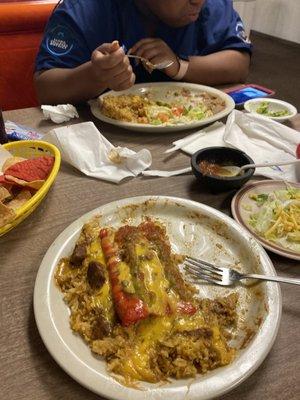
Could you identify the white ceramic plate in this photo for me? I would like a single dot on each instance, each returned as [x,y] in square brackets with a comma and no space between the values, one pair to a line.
[274,105]
[241,212]
[161,88]
[193,229]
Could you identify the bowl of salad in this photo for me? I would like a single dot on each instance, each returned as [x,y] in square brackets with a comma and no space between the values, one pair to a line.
[275,109]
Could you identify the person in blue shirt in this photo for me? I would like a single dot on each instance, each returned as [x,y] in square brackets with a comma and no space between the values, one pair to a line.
[86,43]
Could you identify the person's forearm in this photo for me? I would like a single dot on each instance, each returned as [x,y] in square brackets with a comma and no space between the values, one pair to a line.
[62,85]
[227,66]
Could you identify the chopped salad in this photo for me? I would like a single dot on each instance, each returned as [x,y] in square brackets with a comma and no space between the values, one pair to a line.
[278,218]
[264,109]
[179,106]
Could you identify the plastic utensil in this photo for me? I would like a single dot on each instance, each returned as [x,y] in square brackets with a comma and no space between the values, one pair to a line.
[233,170]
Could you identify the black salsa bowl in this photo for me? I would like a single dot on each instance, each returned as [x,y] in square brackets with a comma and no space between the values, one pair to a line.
[222,156]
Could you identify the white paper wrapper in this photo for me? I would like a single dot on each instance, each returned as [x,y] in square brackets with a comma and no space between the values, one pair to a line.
[204,137]
[60,113]
[86,149]
[167,174]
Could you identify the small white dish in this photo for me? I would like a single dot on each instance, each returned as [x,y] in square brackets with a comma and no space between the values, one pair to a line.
[274,105]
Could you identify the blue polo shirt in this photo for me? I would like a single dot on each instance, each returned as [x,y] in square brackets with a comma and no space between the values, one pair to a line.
[77,27]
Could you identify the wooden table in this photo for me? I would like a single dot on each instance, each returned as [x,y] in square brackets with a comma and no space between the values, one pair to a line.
[27,370]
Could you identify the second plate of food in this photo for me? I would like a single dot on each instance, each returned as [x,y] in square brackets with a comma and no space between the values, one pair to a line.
[118,314]
[270,210]
[162,107]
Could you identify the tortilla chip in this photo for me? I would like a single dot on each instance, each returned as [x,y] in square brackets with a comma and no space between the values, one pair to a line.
[6,214]
[33,184]
[33,169]
[7,184]
[4,193]
[11,161]
[20,199]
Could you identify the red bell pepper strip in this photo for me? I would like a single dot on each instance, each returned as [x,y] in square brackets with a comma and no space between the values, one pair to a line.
[129,307]
[298,151]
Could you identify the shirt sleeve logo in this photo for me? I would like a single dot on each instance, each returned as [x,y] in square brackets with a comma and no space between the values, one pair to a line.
[60,41]
[240,31]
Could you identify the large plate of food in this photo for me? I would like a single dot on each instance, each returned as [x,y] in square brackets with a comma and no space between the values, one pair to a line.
[270,210]
[162,107]
[115,310]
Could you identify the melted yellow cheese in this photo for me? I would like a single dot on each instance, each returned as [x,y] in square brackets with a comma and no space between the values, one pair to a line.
[190,322]
[154,280]
[125,277]
[102,298]
[226,354]
[137,364]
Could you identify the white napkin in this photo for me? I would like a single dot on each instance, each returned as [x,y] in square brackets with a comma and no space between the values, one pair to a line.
[4,155]
[211,134]
[60,113]
[263,139]
[84,147]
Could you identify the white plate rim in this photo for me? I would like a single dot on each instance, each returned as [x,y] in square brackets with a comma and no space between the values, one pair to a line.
[84,375]
[230,105]
[237,216]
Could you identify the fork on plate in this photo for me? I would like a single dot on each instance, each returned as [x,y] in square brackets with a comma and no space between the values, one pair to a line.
[199,269]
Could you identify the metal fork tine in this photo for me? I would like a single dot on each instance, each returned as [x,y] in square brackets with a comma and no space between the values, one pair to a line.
[203,266]
[204,277]
[200,270]
[197,262]
[203,274]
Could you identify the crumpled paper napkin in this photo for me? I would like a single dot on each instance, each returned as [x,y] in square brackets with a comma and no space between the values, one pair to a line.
[60,113]
[4,155]
[263,139]
[86,149]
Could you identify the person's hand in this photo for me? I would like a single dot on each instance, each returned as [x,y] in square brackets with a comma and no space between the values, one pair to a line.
[156,50]
[111,67]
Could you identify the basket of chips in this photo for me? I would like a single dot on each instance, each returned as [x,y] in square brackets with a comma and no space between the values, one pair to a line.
[27,173]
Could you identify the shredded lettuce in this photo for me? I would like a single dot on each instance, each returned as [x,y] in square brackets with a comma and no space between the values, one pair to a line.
[265,110]
[278,217]
[189,113]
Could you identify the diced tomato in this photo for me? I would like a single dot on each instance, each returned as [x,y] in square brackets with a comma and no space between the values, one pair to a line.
[163,117]
[177,111]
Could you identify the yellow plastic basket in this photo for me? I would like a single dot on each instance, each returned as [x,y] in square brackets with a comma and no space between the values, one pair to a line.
[30,149]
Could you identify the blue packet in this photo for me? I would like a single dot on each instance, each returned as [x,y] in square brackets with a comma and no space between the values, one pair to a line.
[20,132]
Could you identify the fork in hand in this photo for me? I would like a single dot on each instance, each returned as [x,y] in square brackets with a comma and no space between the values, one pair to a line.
[161,65]
[224,276]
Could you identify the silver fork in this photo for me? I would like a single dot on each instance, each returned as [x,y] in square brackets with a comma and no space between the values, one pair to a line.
[224,276]
[161,65]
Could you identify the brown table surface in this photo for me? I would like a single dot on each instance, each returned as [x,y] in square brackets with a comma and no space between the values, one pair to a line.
[27,370]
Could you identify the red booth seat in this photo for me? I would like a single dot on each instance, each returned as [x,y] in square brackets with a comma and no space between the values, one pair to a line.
[21,29]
